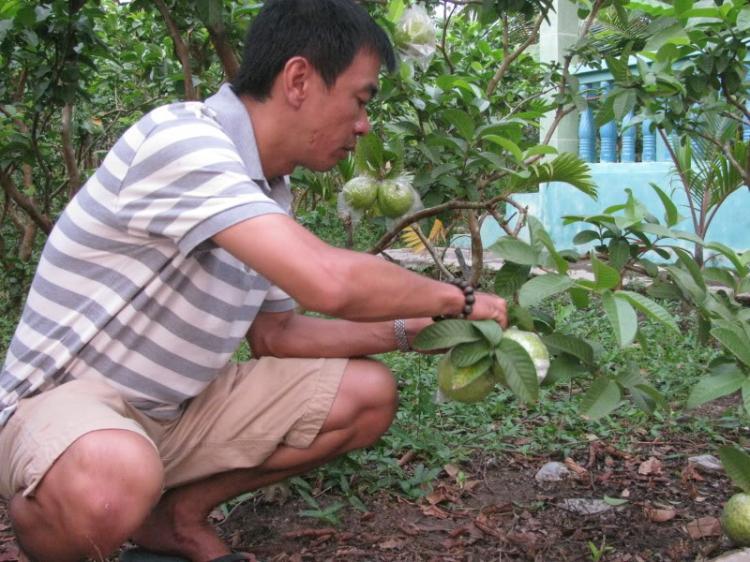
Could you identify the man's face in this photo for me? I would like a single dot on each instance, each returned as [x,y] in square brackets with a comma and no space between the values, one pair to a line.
[338,115]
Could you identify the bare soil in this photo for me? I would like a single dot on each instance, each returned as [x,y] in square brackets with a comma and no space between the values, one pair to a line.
[500,512]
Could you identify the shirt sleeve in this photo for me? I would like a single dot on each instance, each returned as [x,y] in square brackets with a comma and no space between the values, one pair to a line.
[277,301]
[187,182]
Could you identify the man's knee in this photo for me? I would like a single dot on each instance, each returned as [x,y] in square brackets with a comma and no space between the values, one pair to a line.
[94,496]
[375,398]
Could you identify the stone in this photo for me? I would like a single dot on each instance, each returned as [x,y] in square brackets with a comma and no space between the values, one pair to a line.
[552,472]
[707,463]
[734,556]
[585,506]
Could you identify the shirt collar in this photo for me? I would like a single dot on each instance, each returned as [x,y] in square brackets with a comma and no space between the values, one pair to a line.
[234,119]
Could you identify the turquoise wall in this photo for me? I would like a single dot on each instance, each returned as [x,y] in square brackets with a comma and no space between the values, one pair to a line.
[731,225]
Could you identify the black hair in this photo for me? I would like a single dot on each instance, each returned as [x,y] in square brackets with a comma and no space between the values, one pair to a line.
[328,33]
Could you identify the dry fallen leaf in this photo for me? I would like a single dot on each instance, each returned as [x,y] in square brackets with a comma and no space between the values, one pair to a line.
[574,466]
[651,466]
[392,544]
[659,515]
[435,511]
[452,470]
[704,527]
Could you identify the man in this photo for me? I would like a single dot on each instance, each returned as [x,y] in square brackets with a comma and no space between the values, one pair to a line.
[117,384]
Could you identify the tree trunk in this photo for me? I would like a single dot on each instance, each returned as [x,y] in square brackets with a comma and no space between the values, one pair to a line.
[68,152]
[182,50]
[223,50]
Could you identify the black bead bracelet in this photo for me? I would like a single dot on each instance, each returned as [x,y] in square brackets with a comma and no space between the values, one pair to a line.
[469,300]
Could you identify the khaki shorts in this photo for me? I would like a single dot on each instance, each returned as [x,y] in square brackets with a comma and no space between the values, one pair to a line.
[237,422]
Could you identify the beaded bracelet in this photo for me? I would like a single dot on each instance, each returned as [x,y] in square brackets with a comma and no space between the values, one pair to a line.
[469,300]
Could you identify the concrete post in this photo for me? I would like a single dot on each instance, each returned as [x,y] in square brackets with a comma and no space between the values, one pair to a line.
[555,38]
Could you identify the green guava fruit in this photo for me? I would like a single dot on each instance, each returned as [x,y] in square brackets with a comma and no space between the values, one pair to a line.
[414,31]
[395,198]
[534,347]
[735,519]
[360,192]
[452,382]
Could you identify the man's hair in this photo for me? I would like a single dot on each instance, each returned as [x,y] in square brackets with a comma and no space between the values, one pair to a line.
[328,33]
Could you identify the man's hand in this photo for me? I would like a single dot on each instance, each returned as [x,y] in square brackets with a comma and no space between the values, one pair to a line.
[490,307]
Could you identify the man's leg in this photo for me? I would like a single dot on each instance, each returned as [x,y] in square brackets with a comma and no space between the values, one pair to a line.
[91,500]
[362,411]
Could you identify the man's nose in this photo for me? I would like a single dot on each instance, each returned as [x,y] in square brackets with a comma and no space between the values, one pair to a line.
[362,126]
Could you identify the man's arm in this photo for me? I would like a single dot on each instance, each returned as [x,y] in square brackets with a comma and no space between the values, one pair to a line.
[343,283]
[286,334]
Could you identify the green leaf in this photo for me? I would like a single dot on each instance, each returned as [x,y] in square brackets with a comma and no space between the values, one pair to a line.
[585,236]
[516,251]
[539,288]
[622,316]
[692,267]
[685,282]
[664,290]
[510,279]
[540,149]
[562,368]
[619,253]
[739,346]
[671,216]
[602,397]
[624,103]
[518,369]
[571,345]
[720,275]
[471,372]
[465,354]
[567,168]
[743,19]
[490,329]
[713,387]
[746,395]
[580,297]
[445,334]
[737,465]
[506,144]
[605,276]
[395,10]
[649,307]
[744,285]
[731,255]
[540,235]
[520,317]
[462,121]
[615,501]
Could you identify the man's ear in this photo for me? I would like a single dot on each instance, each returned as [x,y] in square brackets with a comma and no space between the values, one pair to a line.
[297,80]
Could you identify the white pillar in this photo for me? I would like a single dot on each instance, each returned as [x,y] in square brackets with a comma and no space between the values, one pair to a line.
[555,38]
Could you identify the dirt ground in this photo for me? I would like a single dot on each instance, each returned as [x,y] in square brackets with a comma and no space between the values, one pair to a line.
[499,512]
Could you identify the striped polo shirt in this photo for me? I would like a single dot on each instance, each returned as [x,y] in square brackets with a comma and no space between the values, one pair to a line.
[130,288]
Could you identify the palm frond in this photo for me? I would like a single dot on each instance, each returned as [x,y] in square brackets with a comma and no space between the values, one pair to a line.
[566,168]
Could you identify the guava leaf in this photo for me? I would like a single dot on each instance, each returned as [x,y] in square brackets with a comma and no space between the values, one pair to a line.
[515,251]
[655,311]
[713,387]
[490,329]
[737,465]
[465,354]
[571,345]
[605,276]
[602,397]
[518,368]
[739,346]
[445,334]
[562,368]
[622,316]
[510,279]
[542,287]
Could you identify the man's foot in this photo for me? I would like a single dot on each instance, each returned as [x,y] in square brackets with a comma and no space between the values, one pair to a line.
[174,529]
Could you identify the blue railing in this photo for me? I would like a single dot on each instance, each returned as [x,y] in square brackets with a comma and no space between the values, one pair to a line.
[615,142]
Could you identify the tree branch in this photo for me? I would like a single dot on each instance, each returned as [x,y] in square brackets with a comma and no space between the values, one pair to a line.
[182,50]
[430,248]
[513,56]
[68,152]
[25,203]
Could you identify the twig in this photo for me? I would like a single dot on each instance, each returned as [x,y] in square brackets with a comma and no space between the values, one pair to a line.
[433,252]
